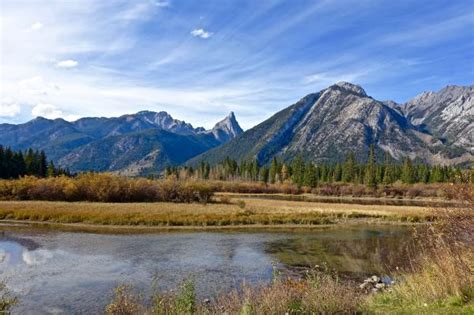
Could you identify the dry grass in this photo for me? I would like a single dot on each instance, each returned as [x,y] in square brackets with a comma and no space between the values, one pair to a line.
[439,281]
[235,212]
[441,278]
[319,293]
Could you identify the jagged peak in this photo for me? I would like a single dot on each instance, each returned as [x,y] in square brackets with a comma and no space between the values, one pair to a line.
[229,123]
[231,115]
[227,128]
[350,87]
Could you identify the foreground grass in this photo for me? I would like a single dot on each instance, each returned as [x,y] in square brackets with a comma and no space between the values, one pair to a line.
[232,213]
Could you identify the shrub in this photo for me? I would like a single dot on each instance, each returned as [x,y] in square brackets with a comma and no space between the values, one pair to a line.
[125,302]
[241,204]
[7,299]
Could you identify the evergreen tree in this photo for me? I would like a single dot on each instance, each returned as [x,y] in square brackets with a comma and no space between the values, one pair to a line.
[407,175]
[2,163]
[273,171]
[264,175]
[337,173]
[51,169]
[370,169]
[348,169]
[311,176]
[298,168]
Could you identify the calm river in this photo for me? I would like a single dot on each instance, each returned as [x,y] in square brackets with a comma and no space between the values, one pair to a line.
[56,272]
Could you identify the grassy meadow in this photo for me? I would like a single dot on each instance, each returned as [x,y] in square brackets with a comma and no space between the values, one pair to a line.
[106,199]
[225,212]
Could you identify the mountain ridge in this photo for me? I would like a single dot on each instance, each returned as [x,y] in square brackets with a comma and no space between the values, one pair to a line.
[339,119]
[436,127]
[70,143]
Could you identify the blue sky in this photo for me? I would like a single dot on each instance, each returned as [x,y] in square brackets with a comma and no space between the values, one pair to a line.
[199,60]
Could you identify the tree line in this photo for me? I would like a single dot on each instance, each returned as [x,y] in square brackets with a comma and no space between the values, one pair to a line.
[371,172]
[15,164]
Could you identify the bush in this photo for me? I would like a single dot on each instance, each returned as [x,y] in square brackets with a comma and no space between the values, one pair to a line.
[104,188]
[125,302]
[241,204]
[7,299]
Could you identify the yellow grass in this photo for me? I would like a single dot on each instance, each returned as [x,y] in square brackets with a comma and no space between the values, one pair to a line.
[236,213]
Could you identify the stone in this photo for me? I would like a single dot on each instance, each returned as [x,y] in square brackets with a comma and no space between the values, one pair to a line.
[380,285]
[375,279]
[365,285]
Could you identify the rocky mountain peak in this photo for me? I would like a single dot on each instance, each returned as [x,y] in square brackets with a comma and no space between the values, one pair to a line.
[227,128]
[165,121]
[349,87]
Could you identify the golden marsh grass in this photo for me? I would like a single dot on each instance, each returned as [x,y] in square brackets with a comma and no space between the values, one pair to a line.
[235,213]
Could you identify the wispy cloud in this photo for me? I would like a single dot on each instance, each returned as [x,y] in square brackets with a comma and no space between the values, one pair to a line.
[69,63]
[161,3]
[9,109]
[47,111]
[201,33]
[114,57]
[36,26]
[429,34]
[141,9]
[328,78]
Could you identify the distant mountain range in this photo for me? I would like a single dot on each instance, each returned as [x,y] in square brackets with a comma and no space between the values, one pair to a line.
[325,126]
[437,127]
[136,144]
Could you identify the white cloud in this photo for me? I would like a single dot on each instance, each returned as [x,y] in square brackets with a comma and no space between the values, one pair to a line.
[47,111]
[9,109]
[201,33]
[324,79]
[36,26]
[142,10]
[36,86]
[161,3]
[36,257]
[67,63]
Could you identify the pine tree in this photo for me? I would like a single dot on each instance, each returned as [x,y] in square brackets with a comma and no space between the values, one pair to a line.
[273,171]
[51,169]
[311,176]
[298,168]
[337,173]
[370,169]
[348,169]
[2,163]
[407,175]
[264,175]
[284,174]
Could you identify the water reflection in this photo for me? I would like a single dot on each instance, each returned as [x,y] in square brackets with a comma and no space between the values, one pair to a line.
[351,252]
[64,272]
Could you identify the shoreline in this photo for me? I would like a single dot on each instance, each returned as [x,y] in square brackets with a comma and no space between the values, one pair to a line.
[150,229]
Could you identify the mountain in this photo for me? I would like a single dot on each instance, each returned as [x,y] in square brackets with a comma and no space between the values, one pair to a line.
[137,153]
[325,126]
[226,129]
[133,144]
[447,114]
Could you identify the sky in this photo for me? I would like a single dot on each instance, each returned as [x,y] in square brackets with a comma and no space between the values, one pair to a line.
[199,60]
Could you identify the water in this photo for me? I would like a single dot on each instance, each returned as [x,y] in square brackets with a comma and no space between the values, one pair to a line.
[57,272]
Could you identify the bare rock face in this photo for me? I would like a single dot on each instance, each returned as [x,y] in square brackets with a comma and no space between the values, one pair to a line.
[226,129]
[447,115]
[325,126]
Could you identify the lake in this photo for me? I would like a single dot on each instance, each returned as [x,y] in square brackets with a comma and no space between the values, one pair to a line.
[57,272]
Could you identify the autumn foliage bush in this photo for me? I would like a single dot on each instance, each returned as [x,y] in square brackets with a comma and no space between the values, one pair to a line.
[104,188]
